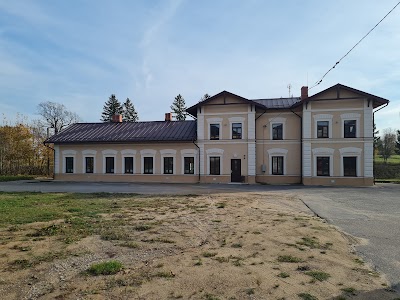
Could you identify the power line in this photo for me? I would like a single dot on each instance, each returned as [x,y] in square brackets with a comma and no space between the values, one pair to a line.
[319,81]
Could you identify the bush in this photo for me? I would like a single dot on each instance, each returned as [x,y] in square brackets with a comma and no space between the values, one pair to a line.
[105,268]
[386,171]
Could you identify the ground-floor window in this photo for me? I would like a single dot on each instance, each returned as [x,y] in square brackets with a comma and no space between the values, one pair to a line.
[277,165]
[168,165]
[148,165]
[110,165]
[69,165]
[188,165]
[128,165]
[350,166]
[323,166]
[215,165]
[89,164]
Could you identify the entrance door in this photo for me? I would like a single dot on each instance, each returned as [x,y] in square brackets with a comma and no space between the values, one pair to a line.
[236,170]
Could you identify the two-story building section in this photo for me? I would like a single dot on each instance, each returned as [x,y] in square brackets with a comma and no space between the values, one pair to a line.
[324,139]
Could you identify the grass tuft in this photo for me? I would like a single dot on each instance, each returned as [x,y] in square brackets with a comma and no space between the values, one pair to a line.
[289,259]
[318,275]
[105,268]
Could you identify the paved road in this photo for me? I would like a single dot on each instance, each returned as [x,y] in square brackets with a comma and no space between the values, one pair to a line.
[372,213]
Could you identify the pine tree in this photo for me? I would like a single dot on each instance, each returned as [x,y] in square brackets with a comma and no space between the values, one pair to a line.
[179,108]
[377,138]
[398,142]
[205,97]
[129,113]
[111,107]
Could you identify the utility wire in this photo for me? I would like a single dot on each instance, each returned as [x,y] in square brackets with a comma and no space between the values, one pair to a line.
[319,81]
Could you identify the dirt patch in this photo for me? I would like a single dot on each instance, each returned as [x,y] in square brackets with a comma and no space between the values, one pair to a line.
[233,246]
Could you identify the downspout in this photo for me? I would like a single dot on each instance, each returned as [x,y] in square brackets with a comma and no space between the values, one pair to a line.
[373,135]
[54,156]
[301,145]
[198,157]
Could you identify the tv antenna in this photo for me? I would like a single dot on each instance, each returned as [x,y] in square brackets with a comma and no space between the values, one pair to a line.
[289,86]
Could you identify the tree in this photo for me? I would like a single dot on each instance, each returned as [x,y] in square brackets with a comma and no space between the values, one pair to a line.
[377,140]
[129,113]
[387,144]
[205,97]
[111,107]
[398,142]
[56,115]
[179,108]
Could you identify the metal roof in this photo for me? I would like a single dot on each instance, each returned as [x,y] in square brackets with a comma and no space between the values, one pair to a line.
[277,103]
[125,132]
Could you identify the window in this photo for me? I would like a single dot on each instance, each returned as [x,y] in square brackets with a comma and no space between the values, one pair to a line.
[350,128]
[323,129]
[188,165]
[277,131]
[148,165]
[128,165]
[323,166]
[215,165]
[350,166]
[69,165]
[214,131]
[236,130]
[110,165]
[168,165]
[89,164]
[277,165]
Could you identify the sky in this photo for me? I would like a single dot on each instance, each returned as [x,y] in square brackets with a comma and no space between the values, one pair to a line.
[78,53]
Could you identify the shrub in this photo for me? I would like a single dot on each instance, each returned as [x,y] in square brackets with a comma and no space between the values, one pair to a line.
[105,268]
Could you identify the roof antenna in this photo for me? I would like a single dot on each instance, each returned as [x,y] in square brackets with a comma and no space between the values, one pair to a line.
[289,86]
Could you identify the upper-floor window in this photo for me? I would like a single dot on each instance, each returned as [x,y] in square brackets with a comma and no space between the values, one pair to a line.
[277,131]
[323,129]
[89,164]
[188,165]
[168,165]
[110,165]
[236,130]
[214,131]
[128,165]
[350,128]
[148,165]
[69,165]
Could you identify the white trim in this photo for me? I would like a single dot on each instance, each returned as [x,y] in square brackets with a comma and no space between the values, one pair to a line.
[240,120]
[323,117]
[323,152]
[128,153]
[109,153]
[214,121]
[277,152]
[348,117]
[88,153]
[217,153]
[368,131]
[56,159]
[350,152]
[69,153]
[188,153]
[251,159]
[168,153]
[334,109]
[277,120]
[200,126]
[147,153]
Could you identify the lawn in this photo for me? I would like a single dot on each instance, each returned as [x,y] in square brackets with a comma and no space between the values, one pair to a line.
[225,246]
[15,177]
[394,159]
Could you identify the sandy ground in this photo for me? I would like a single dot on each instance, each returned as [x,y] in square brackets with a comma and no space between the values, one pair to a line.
[232,246]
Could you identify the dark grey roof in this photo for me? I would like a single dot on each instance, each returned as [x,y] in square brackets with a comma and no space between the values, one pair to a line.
[277,103]
[125,132]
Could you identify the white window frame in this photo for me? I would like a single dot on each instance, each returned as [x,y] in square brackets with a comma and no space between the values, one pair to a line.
[69,153]
[217,153]
[323,117]
[88,153]
[109,153]
[277,120]
[350,152]
[188,153]
[349,117]
[128,153]
[240,120]
[148,153]
[214,121]
[168,153]
[323,152]
[277,152]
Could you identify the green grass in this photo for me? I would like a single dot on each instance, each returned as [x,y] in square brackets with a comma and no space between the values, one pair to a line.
[394,159]
[289,259]
[283,275]
[15,177]
[105,268]
[306,296]
[318,275]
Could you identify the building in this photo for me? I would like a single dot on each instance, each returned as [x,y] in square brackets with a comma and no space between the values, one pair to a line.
[324,139]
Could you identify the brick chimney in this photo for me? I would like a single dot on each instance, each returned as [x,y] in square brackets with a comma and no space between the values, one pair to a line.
[116,119]
[168,116]
[304,92]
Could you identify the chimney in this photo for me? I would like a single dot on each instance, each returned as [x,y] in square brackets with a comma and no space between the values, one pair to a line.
[168,116]
[304,92]
[116,119]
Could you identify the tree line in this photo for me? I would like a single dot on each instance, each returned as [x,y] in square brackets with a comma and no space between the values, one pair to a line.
[388,143]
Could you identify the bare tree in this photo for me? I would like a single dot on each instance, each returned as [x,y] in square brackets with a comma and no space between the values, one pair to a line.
[56,115]
[387,144]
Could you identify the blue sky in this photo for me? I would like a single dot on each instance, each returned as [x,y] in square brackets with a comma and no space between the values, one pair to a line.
[80,52]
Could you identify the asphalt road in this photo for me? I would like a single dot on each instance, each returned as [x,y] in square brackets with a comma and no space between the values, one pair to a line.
[371,213]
